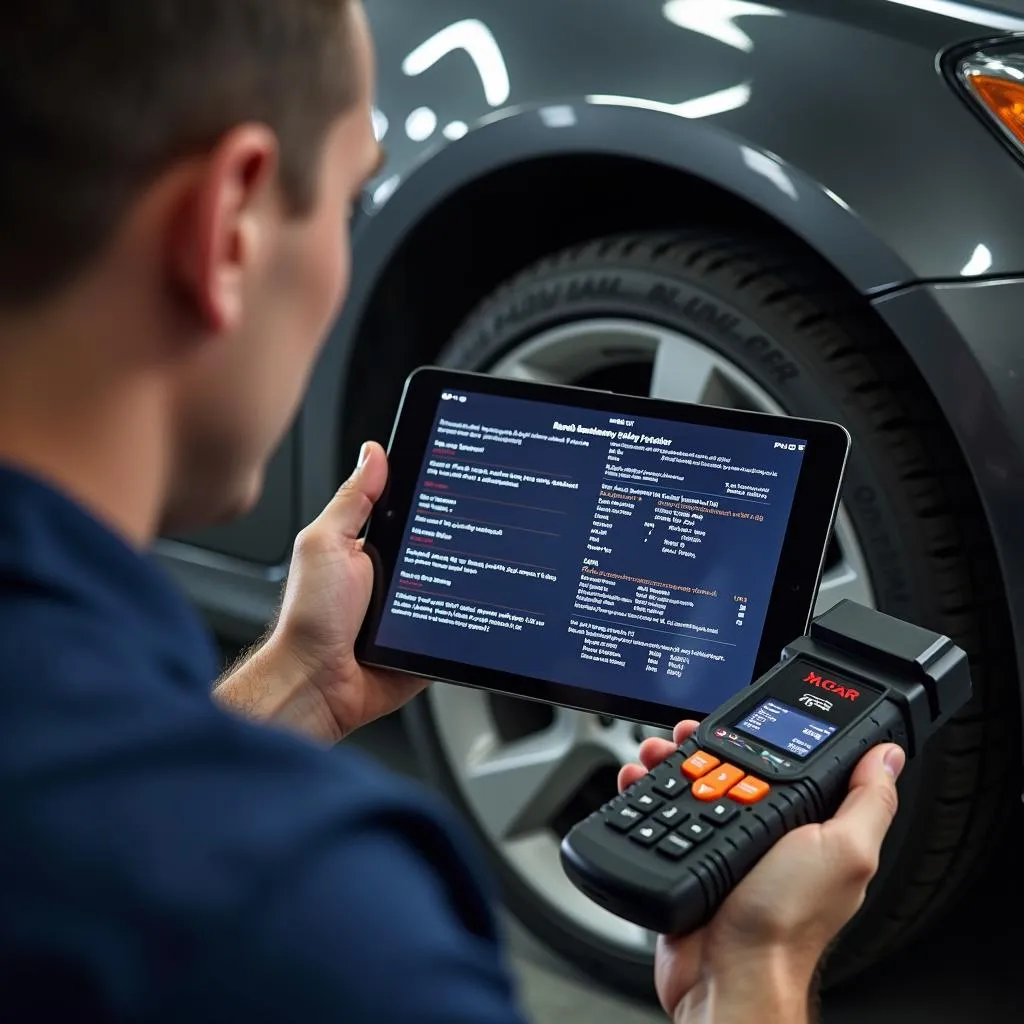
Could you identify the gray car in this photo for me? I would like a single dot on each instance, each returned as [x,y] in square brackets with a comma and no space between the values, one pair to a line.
[813,208]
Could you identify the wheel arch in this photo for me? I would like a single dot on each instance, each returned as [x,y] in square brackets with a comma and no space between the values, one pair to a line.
[457,200]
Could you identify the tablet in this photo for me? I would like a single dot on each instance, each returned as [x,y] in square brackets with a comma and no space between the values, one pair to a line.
[625,556]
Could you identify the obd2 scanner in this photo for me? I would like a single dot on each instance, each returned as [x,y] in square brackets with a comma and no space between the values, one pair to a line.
[665,853]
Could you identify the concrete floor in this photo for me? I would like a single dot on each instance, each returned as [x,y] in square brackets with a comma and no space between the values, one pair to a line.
[963,970]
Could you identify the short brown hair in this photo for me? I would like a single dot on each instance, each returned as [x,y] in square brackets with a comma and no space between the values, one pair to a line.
[98,96]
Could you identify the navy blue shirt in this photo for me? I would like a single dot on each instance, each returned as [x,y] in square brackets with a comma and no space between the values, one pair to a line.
[162,860]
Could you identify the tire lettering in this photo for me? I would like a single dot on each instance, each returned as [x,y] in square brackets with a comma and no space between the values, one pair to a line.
[707,314]
[594,288]
[536,303]
[774,361]
[664,296]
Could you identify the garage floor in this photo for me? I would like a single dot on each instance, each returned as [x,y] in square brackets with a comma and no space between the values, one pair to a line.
[966,968]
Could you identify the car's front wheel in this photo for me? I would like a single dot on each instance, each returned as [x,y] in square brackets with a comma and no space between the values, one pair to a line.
[748,324]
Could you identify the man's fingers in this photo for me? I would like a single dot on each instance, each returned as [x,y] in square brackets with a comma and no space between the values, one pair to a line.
[684,730]
[864,817]
[351,505]
[630,773]
[654,750]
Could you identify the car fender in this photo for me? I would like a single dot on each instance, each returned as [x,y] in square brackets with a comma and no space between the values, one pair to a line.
[691,146]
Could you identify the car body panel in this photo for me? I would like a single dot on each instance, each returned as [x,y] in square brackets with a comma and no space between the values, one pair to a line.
[782,80]
[967,337]
[839,126]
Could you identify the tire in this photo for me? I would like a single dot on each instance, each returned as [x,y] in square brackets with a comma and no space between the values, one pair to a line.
[780,317]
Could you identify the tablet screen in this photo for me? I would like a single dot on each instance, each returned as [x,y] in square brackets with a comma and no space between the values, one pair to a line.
[627,555]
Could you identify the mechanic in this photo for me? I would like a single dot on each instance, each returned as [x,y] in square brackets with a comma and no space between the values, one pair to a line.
[174,188]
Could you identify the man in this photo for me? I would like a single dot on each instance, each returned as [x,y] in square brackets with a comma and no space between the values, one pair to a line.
[175,183]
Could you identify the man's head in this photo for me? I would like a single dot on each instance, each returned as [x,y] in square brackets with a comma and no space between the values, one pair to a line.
[175,190]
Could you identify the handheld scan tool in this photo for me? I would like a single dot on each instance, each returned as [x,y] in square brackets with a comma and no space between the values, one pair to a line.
[779,754]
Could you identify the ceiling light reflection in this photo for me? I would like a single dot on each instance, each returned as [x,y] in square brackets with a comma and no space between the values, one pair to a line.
[454,131]
[384,191]
[476,39]
[716,19]
[979,263]
[559,116]
[974,15]
[720,102]
[421,124]
[771,169]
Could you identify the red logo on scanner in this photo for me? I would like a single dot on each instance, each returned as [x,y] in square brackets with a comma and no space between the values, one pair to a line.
[846,692]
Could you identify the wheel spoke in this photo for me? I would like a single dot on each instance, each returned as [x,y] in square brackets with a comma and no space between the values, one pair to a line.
[840,583]
[516,788]
[683,372]
[520,369]
[620,738]
[848,578]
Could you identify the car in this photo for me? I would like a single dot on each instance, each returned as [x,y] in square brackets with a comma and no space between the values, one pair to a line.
[797,207]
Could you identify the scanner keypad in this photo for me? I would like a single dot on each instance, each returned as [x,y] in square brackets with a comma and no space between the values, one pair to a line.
[645,802]
[675,814]
[648,833]
[674,846]
[670,786]
[681,803]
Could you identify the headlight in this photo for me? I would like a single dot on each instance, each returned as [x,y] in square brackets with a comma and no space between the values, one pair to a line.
[995,81]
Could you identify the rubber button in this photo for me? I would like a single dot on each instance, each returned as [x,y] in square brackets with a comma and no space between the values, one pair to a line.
[749,791]
[699,764]
[674,847]
[721,813]
[695,831]
[648,833]
[717,783]
[672,815]
[645,802]
[622,819]
[670,786]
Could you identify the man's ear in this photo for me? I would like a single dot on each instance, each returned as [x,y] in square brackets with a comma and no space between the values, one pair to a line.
[222,228]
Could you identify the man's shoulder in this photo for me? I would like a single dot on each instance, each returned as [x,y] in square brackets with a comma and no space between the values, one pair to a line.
[111,771]
[159,822]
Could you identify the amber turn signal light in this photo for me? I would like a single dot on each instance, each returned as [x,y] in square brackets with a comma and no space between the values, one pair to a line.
[1004,99]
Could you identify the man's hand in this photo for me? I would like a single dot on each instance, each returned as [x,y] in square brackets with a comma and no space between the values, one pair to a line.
[757,957]
[306,675]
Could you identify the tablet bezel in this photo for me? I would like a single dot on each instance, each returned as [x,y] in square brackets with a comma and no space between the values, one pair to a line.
[800,566]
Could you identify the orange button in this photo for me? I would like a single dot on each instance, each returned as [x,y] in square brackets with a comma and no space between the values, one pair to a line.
[714,785]
[749,791]
[699,764]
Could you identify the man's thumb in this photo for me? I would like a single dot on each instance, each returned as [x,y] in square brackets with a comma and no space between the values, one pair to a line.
[869,808]
[351,505]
